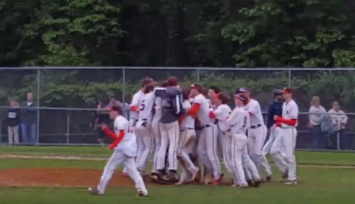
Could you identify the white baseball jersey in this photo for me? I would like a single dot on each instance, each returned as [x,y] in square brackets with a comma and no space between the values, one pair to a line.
[136,100]
[256,117]
[238,120]
[189,121]
[203,113]
[158,103]
[289,111]
[146,107]
[222,112]
[128,143]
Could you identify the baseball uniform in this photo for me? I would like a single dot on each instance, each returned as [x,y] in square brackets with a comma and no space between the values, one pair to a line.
[124,153]
[288,135]
[207,144]
[257,135]
[236,144]
[143,130]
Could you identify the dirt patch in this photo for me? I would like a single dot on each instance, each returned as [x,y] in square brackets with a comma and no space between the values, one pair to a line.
[63,177]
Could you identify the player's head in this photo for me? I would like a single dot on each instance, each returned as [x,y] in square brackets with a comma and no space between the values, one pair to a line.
[278,95]
[196,89]
[147,81]
[173,81]
[222,98]
[214,90]
[149,88]
[336,105]
[164,84]
[287,93]
[185,93]
[244,91]
[240,100]
[114,111]
[112,99]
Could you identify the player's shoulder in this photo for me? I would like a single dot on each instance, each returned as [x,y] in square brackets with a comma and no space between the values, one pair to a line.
[200,97]
[226,107]
[120,120]
[254,102]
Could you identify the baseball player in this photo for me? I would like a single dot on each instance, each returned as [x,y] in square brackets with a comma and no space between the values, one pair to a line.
[256,133]
[155,125]
[288,134]
[134,110]
[207,144]
[169,127]
[125,149]
[143,127]
[187,139]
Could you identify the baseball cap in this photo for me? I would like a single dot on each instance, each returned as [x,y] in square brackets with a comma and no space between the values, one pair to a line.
[287,90]
[148,81]
[278,92]
[241,97]
[243,90]
[114,108]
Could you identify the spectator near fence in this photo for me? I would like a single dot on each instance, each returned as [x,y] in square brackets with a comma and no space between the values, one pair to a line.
[29,120]
[316,112]
[13,122]
[339,120]
[101,116]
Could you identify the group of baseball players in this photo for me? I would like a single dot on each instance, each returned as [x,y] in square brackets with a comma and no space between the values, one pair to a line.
[191,126]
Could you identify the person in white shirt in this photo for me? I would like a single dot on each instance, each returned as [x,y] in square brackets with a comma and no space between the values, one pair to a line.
[316,112]
[143,128]
[207,144]
[124,150]
[288,123]
[256,133]
[339,120]
[134,110]
[186,143]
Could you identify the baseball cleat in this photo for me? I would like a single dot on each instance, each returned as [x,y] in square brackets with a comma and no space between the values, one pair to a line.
[268,178]
[142,194]
[95,191]
[242,186]
[250,182]
[256,184]
[234,185]
[291,182]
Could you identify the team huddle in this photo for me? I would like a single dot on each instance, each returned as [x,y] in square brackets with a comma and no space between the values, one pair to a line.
[189,127]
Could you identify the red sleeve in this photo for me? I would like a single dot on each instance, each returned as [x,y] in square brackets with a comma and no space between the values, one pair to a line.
[291,122]
[133,108]
[109,133]
[118,139]
[194,109]
[182,118]
[212,114]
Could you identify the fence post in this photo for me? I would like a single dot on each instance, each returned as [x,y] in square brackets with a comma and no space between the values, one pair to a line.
[38,102]
[198,74]
[338,140]
[123,85]
[68,127]
[289,78]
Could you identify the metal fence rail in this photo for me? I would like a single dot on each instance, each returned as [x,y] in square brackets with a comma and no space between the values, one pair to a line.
[59,122]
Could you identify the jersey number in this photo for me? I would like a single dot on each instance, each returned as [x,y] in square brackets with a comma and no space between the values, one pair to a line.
[142,106]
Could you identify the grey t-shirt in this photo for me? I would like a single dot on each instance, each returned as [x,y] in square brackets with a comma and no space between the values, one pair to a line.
[172,104]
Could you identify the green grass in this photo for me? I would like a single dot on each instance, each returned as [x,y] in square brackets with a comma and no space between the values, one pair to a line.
[317,185]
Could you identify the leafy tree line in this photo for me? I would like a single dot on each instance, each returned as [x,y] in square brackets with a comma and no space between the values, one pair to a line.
[213,33]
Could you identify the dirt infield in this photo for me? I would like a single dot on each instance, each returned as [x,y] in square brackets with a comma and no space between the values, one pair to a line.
[58,177]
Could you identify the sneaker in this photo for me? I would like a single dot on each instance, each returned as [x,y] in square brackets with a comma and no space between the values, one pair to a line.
[142,194]
[291,182]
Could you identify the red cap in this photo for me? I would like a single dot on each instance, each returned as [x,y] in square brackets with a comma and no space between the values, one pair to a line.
[148,81]
[287,90]
[114,108]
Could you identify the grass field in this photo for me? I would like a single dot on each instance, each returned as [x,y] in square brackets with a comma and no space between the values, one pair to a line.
[324,178]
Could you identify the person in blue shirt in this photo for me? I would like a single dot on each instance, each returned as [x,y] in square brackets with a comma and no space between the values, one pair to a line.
[275,108]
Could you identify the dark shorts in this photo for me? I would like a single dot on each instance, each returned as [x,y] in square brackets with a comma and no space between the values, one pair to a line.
[100,134]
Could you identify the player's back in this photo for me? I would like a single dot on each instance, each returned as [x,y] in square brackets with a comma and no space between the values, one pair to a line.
[136,100]
[222,113]
[146,107]
[128,143]
[171,107]
[189,121]
[158,103]
[254,107]
[238,120]
[203,113]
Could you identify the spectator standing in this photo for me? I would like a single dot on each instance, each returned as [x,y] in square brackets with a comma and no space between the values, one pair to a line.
[29,119]
[316,112]
[101,117]
[13,122]
[339,120]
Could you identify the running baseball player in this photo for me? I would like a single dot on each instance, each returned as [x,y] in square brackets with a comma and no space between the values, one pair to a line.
[155,125]
[134,110]
[256,133]
[288,134]
[250,170]
[125,149]
[186,142]
[207,144]
[143,127]
[169,127]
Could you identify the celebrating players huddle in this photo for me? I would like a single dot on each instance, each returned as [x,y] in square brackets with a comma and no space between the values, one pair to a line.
[185,126]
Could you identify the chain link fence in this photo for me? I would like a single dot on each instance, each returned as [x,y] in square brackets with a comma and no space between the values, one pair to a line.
[65,99]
